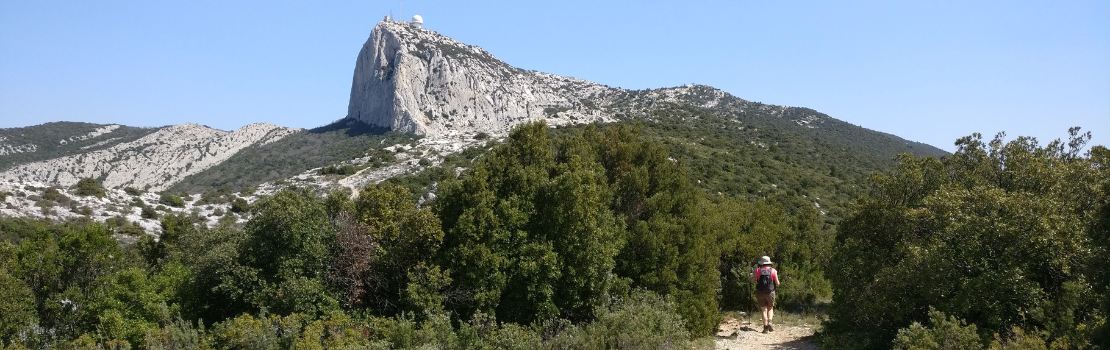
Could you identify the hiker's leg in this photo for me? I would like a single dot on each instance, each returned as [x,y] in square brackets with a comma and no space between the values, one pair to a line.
[770,314]
[766,317]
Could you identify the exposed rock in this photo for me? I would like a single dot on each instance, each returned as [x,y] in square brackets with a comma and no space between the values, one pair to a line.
[155,161]
[415,80]
[92,134]
[6,148]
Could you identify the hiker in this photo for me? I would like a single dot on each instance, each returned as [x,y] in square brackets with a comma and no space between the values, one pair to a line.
[766,279]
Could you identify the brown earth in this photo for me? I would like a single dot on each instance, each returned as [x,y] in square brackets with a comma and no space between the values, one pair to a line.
[739,334]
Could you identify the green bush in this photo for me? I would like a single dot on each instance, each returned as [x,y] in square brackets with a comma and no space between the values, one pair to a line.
[148,213]
[52,194]
[943,333]
[17,306]
[1020,340]
[644,321]
[89,187]
[240,205]
[1000,234]
[213,197]
[178,334]
[344,169]
[172,200]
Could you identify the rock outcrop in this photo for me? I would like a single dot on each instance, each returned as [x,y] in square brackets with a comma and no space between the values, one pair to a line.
[411,79]
[155,161]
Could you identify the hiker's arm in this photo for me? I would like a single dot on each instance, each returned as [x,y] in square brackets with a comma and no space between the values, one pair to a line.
[775,276]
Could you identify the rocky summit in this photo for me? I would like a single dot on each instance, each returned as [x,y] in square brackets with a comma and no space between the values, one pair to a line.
[411,79]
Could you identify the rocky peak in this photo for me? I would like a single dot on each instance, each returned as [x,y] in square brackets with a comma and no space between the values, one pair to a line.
[412,79]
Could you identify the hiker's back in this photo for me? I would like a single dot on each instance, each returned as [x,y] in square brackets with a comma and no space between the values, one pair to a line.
[765,280]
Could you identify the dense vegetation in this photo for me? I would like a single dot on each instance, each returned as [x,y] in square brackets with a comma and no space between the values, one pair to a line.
[766,157]
[591,239]
[1002,240]
[625,235]
[47,140]
[325,146]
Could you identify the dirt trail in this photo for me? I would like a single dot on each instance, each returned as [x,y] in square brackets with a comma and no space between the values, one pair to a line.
[737,334]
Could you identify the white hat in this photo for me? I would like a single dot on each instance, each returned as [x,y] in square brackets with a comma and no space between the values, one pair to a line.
[765,260]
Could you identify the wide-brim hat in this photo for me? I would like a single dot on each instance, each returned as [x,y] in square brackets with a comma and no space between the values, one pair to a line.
[765,260]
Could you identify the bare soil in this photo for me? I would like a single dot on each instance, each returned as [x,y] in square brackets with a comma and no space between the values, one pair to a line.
[741,334]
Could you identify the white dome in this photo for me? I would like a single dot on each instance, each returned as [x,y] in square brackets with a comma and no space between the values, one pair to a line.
[417,19]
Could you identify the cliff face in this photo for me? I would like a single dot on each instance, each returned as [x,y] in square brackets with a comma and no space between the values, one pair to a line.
[415,80]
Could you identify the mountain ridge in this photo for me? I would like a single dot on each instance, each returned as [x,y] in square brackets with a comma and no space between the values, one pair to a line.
[418,100]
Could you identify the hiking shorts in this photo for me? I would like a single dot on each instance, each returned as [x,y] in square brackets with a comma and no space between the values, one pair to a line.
[765,299]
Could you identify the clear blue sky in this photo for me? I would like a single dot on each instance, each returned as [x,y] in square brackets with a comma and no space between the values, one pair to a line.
[929,71]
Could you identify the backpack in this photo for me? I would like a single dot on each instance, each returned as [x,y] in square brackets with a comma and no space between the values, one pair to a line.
[765,284]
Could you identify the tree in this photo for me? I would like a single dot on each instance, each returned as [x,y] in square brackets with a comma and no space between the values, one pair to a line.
[17,307]
[999,234]
[382,237]
[543,227]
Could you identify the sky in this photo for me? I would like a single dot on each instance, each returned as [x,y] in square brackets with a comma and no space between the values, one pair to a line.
[929,71]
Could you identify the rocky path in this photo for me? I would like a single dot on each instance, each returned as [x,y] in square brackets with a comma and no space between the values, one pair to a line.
[737,334]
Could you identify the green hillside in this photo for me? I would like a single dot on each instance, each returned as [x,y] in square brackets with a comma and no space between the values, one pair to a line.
[747,152]
[342,140]
[47,139]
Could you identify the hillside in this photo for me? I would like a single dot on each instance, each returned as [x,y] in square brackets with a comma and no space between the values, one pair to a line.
[154,161]
[292,155]
[56,139]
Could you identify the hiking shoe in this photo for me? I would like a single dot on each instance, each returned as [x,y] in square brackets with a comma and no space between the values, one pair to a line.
[766,329]
[769,328]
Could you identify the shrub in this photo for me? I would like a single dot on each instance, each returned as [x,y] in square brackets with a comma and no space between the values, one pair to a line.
[643,321]
[148,213]
[17,307]
[54,195]
[344,169]
[1020,340]
[177,334]
[240,205]
[171,200]
[89,187]
[248,332]
[943,333]
[213,197]
[132,191]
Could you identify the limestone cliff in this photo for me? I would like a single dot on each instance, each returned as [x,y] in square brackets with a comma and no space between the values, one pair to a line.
[411,79]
